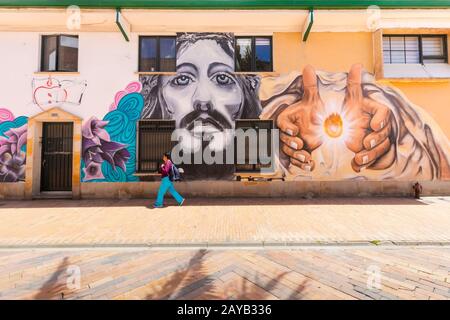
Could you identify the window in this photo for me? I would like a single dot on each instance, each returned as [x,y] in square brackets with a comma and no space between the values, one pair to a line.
[59,53]
[414,49]
[245,162]
[157,54]
[154,139]
[253,54]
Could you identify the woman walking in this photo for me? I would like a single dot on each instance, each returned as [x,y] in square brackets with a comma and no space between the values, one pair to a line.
[166,183]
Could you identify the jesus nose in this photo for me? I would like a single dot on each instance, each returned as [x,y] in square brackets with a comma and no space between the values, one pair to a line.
[203,106]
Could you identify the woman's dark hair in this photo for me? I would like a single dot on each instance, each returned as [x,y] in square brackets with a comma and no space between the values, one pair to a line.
[224,40]
[167,155]
[155,107]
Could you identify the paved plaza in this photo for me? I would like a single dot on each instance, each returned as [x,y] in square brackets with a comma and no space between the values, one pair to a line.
[314,273]
[229,222]
[378,248]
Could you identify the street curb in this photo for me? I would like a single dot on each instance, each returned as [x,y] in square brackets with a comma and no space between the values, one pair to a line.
[230,245]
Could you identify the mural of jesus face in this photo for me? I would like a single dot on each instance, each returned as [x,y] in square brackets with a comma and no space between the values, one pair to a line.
[204,95]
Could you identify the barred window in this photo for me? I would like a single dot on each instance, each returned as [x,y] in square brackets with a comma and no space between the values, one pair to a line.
[154,139]
[415,49]
[243,158]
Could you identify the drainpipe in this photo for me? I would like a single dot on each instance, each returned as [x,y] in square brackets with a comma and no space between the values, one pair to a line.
[123,24]
[308,24]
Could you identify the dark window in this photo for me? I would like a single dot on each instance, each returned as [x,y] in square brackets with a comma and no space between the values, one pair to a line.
[243,161]
[406,49]
[243,54]
[253,54]
[157,54]
[59,53]
[154,139]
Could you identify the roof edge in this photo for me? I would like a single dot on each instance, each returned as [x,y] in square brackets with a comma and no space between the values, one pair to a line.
[231,4]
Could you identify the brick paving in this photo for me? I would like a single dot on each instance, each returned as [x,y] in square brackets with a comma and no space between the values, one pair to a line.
[310,273]
[224,221]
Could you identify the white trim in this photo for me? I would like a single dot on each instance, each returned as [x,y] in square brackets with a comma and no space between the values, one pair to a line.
[411,71]
[243,22]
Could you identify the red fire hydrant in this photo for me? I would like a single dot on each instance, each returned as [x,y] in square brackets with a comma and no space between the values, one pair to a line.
[417,187]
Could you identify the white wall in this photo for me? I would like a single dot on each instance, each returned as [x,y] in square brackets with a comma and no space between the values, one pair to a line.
[106,61]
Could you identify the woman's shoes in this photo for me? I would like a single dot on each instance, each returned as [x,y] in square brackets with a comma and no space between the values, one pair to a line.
[156,206]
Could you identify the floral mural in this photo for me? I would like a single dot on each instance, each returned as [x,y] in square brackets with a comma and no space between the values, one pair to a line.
[13,139]
[109,145]
[98,147]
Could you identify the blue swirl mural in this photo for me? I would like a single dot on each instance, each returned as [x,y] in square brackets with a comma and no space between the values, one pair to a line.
[13,139]
[109,145]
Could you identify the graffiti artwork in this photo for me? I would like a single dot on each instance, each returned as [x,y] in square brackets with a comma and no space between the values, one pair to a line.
[132,87]
[345,126]
[205,97]
[334,126]
[13,139]
[51,92]
[109,145]
[6,115]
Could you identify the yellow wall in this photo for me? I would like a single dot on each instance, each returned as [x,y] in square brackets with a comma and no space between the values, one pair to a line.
[336,52]
[329,51]
[433,97]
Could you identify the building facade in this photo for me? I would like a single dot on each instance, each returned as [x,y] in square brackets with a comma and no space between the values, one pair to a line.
[355,97]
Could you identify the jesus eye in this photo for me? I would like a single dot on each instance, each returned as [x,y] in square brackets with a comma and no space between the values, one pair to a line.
[223,79]
[182,80]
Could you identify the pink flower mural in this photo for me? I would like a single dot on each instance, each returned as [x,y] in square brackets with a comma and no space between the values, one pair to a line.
[6,115]
[12,157]
[98,147]
[132,87]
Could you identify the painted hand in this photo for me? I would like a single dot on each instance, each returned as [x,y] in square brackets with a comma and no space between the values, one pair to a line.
[371,127]
[299,124]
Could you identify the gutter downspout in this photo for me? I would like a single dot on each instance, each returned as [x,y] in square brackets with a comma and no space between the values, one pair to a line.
[308,25]
[122,24]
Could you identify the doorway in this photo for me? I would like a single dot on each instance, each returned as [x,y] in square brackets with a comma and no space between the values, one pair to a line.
[57,156]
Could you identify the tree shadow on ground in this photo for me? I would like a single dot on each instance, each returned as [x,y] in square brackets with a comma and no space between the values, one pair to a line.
[195,270]
[252,288]
[194,281]
[54,287]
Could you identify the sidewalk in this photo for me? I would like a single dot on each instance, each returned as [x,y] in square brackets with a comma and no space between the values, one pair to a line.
[233,222]
[308,273]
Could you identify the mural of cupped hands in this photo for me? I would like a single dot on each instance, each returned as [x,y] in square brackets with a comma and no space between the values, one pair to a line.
[338,126]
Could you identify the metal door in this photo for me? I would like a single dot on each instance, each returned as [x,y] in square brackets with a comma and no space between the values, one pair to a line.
[56,170]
